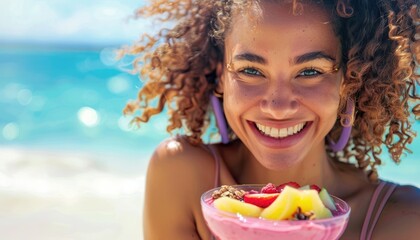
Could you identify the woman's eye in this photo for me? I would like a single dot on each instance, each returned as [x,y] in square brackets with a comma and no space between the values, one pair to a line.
[310,73]
[251,71]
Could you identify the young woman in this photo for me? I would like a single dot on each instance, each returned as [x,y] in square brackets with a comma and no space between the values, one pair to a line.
[312,92]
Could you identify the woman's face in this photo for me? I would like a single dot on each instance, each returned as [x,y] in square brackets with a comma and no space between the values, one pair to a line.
[280,82]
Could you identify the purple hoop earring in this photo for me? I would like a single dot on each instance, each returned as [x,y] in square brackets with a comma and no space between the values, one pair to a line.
[220,119]
[347,122]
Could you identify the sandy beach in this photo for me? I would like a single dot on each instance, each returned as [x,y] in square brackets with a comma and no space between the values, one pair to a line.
[53,195]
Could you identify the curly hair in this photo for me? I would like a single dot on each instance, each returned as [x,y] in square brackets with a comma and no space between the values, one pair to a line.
[380,58]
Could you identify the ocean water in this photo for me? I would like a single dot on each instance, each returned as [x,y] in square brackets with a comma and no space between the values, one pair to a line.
[70,165]
[71,99]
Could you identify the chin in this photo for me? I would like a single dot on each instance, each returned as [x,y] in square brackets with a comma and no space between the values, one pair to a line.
[279,164]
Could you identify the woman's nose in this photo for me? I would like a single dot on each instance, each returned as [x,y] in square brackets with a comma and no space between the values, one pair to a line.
[280,102]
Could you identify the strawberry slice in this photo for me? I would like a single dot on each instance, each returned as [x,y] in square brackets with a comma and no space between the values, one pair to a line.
[291,184]
[315,187]
[261,199]
[269,188]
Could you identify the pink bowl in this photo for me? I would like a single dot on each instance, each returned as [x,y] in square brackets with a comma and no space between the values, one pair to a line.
[229,226]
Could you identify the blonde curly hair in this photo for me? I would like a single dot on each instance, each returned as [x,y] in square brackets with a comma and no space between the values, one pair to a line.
[380,56]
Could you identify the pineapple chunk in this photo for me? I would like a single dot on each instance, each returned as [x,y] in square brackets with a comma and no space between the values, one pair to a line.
[284,206]
[310,201]
[235,206]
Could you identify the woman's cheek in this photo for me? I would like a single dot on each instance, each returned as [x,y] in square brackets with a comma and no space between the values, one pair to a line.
[325,93]
[240,93]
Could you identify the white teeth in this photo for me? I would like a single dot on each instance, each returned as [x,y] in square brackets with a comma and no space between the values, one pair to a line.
[280,132]
[290,131]
[274,132]
[283,132]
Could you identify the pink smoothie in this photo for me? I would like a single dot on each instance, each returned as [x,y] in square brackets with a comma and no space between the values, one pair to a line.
[228,226]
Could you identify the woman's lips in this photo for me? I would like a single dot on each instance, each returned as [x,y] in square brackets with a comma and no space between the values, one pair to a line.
[280,132]
[278,140]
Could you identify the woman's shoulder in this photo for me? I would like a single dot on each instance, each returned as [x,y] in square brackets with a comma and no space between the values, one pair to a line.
[401,215]
[175,148]
[177,175]
[407,194]
[179,157]
[405,202]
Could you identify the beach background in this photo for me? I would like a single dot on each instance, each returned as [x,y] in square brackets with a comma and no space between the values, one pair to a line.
[70,165]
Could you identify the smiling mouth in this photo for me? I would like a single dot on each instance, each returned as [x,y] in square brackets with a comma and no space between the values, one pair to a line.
[280,132]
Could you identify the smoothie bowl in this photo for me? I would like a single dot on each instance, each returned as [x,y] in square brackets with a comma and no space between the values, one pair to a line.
[274,212]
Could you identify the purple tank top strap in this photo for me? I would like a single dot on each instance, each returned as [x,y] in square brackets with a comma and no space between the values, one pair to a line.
[217,159]
[368,216]
[370,223]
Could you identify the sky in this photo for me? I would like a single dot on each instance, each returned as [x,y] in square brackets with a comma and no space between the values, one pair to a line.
[70,21]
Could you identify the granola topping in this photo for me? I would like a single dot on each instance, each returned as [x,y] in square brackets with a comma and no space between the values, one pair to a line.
[229,191]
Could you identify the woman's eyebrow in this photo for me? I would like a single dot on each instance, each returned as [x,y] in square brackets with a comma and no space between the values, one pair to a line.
[312,56]
[250,57]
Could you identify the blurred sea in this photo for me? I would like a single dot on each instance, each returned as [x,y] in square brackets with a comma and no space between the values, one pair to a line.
[70,166]
[70,99]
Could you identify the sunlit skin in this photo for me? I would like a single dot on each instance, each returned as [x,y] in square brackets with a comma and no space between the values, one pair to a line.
[281,70]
